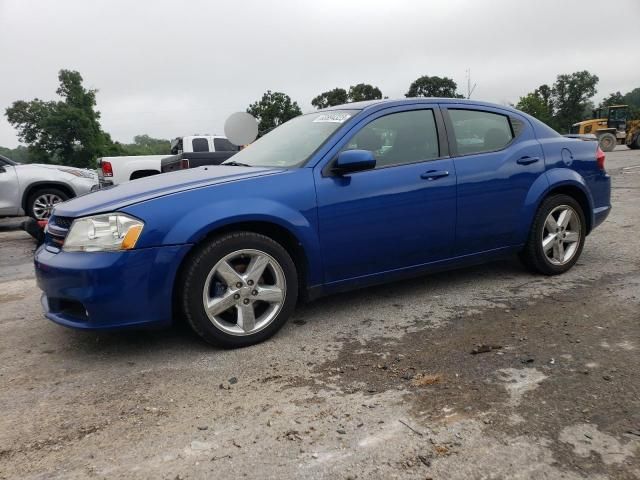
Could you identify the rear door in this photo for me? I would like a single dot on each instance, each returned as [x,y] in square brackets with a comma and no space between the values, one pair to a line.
[497,158]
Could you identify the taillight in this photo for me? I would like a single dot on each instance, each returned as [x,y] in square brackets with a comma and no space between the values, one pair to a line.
[107,170]
[184,163]
[600,158]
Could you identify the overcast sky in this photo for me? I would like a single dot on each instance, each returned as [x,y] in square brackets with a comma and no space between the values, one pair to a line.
[170,68]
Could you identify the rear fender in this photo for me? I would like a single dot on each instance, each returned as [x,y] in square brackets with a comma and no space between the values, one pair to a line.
[554,179]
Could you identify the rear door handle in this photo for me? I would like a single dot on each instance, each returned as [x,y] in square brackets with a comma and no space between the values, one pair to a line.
[434,174]
[528,160]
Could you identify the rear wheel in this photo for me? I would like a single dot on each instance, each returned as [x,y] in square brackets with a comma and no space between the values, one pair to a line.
[635,145]
[239,289]
[41,202]
[557,236]
[607,142]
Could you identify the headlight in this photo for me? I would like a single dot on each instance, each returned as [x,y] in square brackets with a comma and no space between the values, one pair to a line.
[107,232]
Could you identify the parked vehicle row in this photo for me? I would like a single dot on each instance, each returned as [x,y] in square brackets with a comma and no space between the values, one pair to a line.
[34,189]
[116,170]
[330,201]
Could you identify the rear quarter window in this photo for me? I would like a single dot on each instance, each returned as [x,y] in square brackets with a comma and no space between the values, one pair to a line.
[478,132]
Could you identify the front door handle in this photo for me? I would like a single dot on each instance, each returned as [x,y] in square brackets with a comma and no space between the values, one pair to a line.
[434,174]
[528,160]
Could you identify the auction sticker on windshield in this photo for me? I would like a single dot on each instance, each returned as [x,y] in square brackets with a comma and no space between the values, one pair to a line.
[338,117]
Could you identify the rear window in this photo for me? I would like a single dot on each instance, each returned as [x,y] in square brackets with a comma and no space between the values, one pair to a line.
[224,145]
[200,145]
[478,132]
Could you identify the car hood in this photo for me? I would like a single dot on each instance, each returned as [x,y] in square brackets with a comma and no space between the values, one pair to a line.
[61,168]
[125,194]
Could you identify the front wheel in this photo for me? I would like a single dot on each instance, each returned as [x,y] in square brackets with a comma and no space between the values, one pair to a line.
[40,203]
[239,289]
[557,236]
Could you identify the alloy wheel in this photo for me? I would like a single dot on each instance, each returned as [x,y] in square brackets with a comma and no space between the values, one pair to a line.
[244,292]
[43,205]
[561,234]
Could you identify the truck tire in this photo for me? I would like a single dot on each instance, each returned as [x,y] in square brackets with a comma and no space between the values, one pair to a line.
[41,201]
[607,142]
[238,289]
[635,143]
[557,236]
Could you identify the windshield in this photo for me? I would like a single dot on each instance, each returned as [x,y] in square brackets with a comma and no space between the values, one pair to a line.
[292,143]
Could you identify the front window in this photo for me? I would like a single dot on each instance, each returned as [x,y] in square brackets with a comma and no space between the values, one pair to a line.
[292,143]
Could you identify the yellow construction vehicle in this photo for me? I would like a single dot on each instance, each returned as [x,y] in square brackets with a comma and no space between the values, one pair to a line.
[612,128]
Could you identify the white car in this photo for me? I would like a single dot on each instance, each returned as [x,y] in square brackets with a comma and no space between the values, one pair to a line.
[116,170]
[33,189]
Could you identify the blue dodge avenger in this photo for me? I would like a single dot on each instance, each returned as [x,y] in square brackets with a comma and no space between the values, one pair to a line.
[333,200]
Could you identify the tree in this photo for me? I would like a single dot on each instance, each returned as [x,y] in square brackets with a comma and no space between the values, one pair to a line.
[534,105]
[146,145]
[66,131]
[570,94]
[427,86]
[613,99]
[364,91]
[19,154]
[334,97]
[564,103]
[272,110]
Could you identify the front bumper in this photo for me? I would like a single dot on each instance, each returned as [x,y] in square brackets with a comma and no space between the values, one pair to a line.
[108,290]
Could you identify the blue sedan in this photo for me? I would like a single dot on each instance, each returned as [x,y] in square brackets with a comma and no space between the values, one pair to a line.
[333,200]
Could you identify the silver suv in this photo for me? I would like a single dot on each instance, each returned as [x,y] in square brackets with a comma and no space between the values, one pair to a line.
[33,189]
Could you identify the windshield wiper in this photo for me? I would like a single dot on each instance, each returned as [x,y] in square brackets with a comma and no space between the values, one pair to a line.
[236,164]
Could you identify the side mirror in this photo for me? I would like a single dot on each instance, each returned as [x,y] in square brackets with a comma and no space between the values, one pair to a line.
[351,161]
[2,169]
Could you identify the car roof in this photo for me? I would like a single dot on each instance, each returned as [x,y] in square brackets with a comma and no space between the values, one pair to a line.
[376,104]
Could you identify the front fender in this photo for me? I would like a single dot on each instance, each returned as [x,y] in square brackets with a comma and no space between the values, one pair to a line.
[204,220]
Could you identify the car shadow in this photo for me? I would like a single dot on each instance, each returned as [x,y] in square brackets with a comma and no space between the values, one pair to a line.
[179,338]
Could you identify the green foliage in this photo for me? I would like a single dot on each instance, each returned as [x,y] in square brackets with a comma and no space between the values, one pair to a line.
[66,131]
[564,103]
[364,91]
[339,96]
[146,145]
[538,104]
[272,110]
[427,86]
[570,94]
[334,97]
[613,99]
[631,98]
[19,154]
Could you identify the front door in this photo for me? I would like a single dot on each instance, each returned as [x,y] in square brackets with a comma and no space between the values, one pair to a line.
[400,214]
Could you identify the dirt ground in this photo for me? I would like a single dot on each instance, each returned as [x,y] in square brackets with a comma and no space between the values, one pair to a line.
[379,383]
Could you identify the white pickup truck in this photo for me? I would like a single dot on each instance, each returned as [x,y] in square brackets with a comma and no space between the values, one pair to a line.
[115,170]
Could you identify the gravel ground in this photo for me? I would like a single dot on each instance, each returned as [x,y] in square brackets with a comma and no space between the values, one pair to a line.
[379,383]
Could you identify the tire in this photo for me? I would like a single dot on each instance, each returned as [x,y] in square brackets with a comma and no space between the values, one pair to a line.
[635,144]
[550,261]
[607,142]
[222,273]
[41,202]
